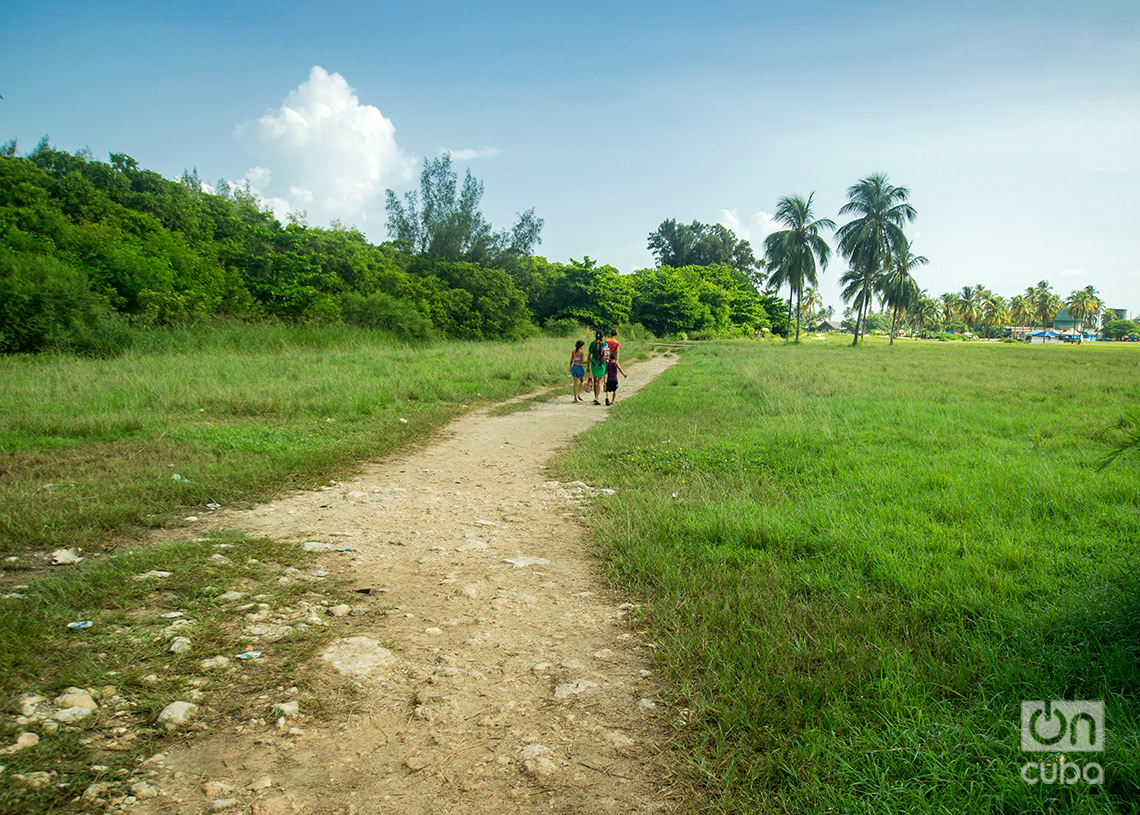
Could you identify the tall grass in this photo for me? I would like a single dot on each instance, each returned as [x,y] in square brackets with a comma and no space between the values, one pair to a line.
[858,562]
[89,448]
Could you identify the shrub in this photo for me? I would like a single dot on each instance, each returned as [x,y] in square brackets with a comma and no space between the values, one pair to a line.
[382,311]
[635,331]
[564,327]
[45,304]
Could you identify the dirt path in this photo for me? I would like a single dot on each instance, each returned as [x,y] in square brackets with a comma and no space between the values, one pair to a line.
[503,677]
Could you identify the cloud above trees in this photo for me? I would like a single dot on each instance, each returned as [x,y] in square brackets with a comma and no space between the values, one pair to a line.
[324,152]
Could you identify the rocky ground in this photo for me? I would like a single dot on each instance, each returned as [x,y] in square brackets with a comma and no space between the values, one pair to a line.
[498,674]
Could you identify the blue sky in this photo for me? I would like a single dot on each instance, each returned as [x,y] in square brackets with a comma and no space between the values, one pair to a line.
[1015,125]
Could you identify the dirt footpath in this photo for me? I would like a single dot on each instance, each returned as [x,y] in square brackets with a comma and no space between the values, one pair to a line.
[503,677]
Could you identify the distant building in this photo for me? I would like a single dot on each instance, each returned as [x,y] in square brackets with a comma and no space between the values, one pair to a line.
[827,325]
[1064,323]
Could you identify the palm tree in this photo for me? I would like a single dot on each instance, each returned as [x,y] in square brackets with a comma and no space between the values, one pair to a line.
[1046,303]
[995,311]
[1021,308]
[1083,304]
[811,305]
[869,241]
[969,306]
[926,313]
[795,251]
[900,292]
[949,310]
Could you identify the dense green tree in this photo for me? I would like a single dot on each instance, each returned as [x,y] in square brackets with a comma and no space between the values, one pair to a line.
[444,220]
[793,255]
[597,296]
[869,241]
[679,245]
[471,301]
[1118,329]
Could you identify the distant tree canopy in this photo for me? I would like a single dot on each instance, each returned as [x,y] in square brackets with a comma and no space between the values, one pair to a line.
[444,220]
[1118,329]
[696,244]
[89,249]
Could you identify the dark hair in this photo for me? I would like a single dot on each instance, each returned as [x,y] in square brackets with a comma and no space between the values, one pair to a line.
[597,335]
[579,344]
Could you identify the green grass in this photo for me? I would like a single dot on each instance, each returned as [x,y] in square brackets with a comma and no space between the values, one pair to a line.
[858,562]
[89,448]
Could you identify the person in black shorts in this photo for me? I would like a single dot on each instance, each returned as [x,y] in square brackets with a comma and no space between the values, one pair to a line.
[612,370]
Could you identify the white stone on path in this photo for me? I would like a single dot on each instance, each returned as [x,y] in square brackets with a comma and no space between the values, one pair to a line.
[568,689]
[177,713]
[142,789]
[23,741]
[537,760]
[471,546]
[156,574]
[214,662]
[181,645]
[66,557]
[69,715]
[317,546]
[76,697]
[523,561]
[357,656]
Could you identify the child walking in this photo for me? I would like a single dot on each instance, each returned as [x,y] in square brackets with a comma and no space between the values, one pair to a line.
[612,370]
[578,369]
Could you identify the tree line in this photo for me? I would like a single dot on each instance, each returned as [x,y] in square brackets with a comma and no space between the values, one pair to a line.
[91,249]
[881,269]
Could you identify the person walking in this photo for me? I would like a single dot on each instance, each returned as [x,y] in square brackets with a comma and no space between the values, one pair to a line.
[613,343]
[612,370]
[578,369]
[599,355]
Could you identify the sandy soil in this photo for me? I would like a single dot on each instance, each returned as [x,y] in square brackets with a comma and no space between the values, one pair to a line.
[503,678]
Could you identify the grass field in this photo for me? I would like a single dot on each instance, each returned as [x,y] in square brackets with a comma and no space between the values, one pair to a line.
[88,454]
[89,449]
[856,563]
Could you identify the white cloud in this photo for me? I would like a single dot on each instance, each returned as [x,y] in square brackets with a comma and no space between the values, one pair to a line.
[758,226]
[324,152]
[468,153]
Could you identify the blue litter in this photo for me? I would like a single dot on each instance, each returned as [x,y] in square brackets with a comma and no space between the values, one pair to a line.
[80,625]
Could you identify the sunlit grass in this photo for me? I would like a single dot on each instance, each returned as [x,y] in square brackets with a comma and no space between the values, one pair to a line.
[89,448]
[857,563]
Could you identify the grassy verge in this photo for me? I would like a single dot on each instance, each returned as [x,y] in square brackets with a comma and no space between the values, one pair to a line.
[858,562]
[90,449]
[138,602]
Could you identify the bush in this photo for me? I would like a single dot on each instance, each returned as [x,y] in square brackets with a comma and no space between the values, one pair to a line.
[564,327]
[635,331]
[46,304]
[382,311]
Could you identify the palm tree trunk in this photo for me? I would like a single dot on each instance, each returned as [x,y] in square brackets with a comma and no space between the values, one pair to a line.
[799,309]
[894,322]
[788,330]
